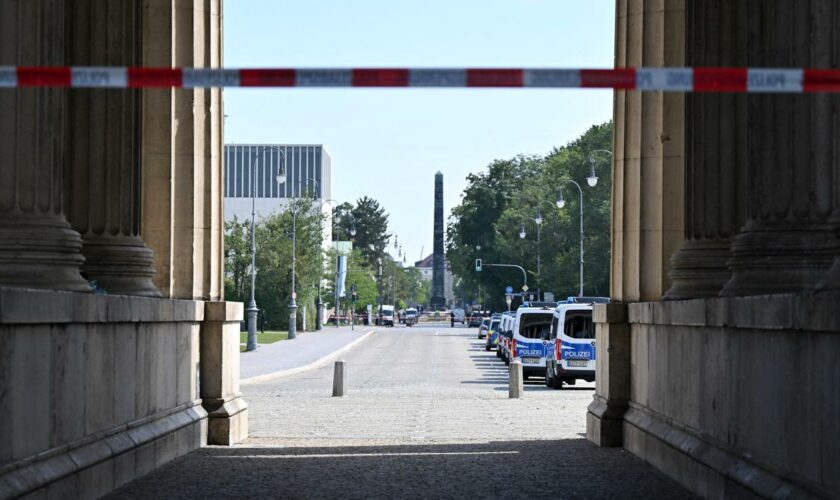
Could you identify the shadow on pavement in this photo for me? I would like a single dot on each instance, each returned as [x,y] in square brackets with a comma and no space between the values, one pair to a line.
[512,469]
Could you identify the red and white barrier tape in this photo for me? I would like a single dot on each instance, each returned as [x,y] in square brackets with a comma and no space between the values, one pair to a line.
[643,79]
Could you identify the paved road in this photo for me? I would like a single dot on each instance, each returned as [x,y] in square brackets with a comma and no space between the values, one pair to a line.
[427,415]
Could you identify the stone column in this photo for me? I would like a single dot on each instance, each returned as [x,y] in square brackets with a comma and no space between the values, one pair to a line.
[648,153]
[716,153]
[220,396]
[183,213]
[605,415]
[787,243]
[103,150]
[38,248]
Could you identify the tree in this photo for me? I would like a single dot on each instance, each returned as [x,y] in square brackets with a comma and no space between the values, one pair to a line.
[370,222]
[498,203]
[274,256]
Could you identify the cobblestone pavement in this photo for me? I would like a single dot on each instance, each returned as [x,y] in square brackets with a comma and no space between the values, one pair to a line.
[426,416]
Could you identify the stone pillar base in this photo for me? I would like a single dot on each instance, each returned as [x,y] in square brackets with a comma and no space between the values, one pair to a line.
[40,251]
[227,411]
[605,415]
[605,422]
[227,424]
[699,269]
[779,259]
[120,265]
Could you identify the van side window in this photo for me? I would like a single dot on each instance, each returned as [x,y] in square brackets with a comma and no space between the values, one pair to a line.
[555,325]
[578,325]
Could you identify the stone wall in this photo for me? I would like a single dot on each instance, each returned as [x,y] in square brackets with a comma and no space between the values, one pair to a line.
[97,390]
[735,397]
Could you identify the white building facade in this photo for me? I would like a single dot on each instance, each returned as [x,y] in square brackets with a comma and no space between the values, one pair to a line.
[308,171]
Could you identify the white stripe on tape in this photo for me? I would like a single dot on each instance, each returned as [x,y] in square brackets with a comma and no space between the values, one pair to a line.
[775,80]
[8,76]
[99,77]
[206,77]
[551,78]
[324,78]
[667,79]
[437,78]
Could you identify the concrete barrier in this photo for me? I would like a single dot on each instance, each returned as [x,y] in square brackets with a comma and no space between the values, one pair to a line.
[338,378]
[515,382]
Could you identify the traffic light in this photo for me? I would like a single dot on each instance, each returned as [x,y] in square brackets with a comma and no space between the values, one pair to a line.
[478,265]
[353,292]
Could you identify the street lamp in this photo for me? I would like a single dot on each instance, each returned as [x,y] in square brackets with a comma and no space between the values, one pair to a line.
[539,220]
[293,208]
[592,179]
[561,202]
[522,233]
[252,309]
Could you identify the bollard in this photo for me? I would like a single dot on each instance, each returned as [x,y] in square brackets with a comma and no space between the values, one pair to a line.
[338,379]
[515,381]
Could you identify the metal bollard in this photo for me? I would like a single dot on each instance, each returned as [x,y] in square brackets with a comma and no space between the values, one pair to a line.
[515,381]
[338,379]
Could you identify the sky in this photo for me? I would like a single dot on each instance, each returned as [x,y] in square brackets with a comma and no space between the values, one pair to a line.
[389,143]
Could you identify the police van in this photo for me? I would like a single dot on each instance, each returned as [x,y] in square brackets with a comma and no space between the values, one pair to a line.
[572,337]
[505,336]
[531,340]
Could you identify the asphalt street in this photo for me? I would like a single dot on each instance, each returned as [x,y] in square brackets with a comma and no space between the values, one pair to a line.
[426,416]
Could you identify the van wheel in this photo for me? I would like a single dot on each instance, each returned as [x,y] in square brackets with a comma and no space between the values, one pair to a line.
[556,383]
[498,353]
[548,378]
[487,348]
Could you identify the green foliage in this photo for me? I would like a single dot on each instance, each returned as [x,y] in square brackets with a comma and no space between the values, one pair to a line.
[508,196]
[370,222]
[274,262]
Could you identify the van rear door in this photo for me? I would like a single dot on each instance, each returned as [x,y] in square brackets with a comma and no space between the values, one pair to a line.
[577,340]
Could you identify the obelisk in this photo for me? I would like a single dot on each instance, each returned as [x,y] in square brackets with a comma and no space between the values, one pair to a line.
[438,262]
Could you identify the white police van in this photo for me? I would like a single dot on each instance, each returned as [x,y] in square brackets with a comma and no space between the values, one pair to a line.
[532,339]
[572,355]
[505,336]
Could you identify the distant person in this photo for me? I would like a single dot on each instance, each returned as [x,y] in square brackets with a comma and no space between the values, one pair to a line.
[452,319]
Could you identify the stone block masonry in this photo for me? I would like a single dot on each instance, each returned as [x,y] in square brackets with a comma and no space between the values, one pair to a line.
[98,390]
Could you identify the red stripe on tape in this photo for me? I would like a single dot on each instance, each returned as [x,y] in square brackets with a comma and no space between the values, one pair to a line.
[619,79]
[155,77]
[43,77]
[495,77]
[821,80]
[380,78]
[267,78]
[720,79]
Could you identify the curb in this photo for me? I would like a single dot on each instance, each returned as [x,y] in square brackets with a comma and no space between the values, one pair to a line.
[315,364]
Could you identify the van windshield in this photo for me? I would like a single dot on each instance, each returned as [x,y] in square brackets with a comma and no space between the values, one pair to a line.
[579,325]
[387,312]
[494,325]
[535,326]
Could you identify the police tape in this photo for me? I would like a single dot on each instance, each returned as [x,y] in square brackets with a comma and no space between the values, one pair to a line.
[643,79]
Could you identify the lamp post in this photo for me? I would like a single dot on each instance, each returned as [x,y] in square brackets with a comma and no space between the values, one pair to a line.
[252,309]
[561,202]
[281,178]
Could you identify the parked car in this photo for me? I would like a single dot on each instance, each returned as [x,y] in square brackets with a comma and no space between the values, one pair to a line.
[573,338]
[474,320]
[482,330]
[410,317]
[530,343]
[492,336]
